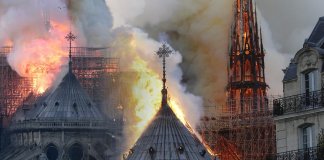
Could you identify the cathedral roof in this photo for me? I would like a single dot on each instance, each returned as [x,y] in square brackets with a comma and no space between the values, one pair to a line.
[167,138]
[69,101]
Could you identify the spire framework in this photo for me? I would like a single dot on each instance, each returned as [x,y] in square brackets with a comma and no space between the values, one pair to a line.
[164,52]
[70,37]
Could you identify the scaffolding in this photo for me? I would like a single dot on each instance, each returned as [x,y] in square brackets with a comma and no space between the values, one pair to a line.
[13,88]
[97,72]
[99,75]
[241,136]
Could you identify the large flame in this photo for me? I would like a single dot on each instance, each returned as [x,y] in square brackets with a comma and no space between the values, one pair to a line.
[146,93]
[45,57]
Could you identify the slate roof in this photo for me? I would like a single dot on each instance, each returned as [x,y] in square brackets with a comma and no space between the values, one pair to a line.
[316,38]
[291,72]
[168,139]
[315,41]
[69,101]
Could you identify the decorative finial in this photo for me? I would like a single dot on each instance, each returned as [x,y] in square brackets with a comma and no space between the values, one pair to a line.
[164,52]
[70,37]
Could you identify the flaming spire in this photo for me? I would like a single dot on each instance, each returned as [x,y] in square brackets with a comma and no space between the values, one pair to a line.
[164,52]
[70,37]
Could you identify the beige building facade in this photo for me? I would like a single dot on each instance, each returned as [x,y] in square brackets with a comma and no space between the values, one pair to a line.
[299,115]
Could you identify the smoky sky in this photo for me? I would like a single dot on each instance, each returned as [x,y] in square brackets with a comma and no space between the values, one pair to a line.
[291,21]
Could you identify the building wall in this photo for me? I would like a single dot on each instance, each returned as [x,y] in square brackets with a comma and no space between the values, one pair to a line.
[289,126]
[291,88]
[288,129]
[96,144]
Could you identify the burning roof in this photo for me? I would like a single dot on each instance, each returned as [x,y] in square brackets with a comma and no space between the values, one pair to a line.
[167,137]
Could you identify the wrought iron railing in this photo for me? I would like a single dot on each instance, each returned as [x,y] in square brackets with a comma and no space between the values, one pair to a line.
[298,103]
[314,153]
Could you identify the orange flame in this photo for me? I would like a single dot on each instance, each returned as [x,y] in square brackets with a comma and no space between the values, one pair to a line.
[43,57]
[146,93]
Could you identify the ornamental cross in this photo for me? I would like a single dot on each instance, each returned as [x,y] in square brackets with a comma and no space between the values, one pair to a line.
[70,37]
[164,52]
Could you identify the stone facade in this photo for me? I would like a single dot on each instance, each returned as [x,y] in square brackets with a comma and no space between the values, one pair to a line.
[299,115]
[61,124]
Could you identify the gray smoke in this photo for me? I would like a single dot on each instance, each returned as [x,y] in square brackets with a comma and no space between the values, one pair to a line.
[286,25]
[193,32]
[198,29]
[93,21]
[291,21]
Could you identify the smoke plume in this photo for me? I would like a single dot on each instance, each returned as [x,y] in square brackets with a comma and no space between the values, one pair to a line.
[198,29]
[137,52]
[38,44]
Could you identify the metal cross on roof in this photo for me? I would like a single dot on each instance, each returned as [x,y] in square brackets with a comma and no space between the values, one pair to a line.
[164,52]
[70,37]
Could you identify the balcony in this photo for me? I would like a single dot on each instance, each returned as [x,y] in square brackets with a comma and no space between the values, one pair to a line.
[298,103]
[314,153]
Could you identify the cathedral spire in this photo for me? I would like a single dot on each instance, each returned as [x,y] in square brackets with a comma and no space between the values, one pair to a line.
[70,37]
[246,66]
[164,52]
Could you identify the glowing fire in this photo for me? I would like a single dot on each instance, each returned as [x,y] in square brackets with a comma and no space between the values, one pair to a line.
[45,57]
[146,92]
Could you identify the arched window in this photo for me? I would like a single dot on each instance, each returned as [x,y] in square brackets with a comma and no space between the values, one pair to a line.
[247,70]
[51,152]
[75,152]
[248,100]
[257,69]
[238,71]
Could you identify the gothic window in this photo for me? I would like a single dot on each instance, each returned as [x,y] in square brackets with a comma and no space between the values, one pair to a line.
[247,69]
[248,100]
[257,71]
[238,71]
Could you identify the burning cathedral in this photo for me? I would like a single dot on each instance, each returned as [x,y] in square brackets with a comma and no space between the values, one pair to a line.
[63,123]
[68,122]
